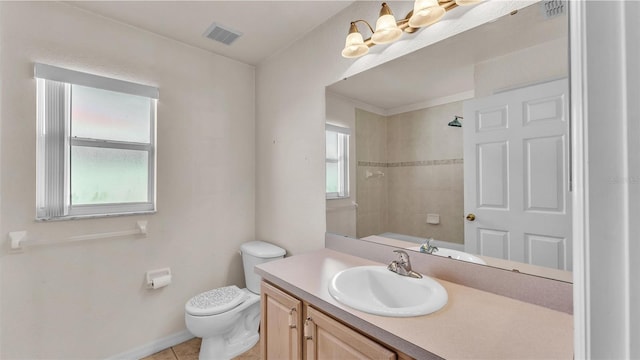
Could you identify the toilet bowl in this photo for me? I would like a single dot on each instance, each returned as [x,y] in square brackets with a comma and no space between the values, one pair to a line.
[229,333]
[227,318]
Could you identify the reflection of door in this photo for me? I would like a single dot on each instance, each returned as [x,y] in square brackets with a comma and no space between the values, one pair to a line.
[516,147]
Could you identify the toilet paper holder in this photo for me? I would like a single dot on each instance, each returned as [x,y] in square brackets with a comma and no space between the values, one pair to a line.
[158,278]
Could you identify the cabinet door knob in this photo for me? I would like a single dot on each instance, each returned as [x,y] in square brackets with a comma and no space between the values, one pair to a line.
[292,322]
[471,217]
[307,331]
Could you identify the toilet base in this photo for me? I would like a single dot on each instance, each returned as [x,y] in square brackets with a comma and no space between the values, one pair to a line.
[230,333]
[210,347]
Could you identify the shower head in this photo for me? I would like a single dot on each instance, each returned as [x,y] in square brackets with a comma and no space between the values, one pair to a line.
[455,122]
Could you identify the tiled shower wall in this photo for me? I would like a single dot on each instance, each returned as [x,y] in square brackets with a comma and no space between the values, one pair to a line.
[371,192]
[421,159]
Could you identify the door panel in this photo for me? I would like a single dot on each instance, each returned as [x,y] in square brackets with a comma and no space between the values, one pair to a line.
[493,172]
[544,178]
[546,250]
[493,243]
[548,109]
[492,119]
[516,175]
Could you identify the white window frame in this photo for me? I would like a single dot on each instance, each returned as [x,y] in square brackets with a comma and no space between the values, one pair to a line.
[342,160]
[54,144]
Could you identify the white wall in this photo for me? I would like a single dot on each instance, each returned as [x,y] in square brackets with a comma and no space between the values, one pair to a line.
[1,177]
[543,62]
[607,290]
[341,213]
[88,300]
[632,38]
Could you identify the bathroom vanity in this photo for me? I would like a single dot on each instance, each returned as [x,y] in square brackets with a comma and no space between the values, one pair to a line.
[301,320]
[289,325]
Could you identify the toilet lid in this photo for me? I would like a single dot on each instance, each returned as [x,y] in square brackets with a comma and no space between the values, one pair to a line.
[215,301]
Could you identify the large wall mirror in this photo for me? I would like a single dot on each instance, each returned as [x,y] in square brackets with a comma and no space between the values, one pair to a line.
[465,142]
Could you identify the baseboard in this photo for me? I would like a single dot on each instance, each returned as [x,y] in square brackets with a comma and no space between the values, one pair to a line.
[154,346]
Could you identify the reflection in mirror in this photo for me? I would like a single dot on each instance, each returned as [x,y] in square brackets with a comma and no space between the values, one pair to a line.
[466,142]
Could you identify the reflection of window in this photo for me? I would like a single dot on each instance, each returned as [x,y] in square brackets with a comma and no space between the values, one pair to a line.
[96,145]
[337,162]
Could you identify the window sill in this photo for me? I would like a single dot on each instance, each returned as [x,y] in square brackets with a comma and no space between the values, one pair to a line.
[96,216]
[338,198]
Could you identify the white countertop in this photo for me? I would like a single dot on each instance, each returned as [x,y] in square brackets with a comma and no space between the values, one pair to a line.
[474,324]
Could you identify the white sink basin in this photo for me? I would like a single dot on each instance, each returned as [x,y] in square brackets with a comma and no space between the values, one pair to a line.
[454,254]
[376,290]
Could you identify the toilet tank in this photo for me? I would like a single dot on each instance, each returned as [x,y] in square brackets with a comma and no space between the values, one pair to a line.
[254,253]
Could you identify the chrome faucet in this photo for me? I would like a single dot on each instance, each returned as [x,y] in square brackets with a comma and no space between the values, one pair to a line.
[427,247]
[402,266]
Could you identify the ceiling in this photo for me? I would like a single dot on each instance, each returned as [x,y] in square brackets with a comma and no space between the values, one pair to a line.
[447,67]
[186,21]
[439,70]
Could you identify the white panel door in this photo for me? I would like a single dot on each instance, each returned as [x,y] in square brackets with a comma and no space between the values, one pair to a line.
[516,151]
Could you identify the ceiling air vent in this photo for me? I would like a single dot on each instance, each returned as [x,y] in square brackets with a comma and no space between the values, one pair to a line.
[553,8]
[222,34]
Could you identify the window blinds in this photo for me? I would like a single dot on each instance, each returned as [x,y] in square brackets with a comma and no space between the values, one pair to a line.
[43,71]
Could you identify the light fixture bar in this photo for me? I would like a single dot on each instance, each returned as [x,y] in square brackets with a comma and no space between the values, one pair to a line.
[388,29]
[403,24]
[364,21]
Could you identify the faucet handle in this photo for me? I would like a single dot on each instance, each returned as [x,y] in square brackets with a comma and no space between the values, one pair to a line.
[402,266]
[393,266]
[398,268]
[427,247]
[404,258]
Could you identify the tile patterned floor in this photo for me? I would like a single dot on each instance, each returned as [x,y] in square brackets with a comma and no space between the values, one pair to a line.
[189,350]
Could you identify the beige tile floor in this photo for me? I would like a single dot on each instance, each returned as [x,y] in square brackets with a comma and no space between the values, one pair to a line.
[189,350]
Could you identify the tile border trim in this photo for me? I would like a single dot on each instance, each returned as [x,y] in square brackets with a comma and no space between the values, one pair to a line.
[411,163]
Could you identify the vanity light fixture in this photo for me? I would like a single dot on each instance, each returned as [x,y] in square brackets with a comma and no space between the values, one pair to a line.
[354,46]
[388,29]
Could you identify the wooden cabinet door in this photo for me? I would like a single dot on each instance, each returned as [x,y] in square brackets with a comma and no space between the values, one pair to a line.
[326,338]
[281,324]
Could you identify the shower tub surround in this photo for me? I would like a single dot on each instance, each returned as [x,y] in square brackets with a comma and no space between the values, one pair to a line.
[417,166]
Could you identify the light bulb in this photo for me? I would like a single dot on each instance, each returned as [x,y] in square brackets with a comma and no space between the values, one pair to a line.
[467,2]
[387,30]
[354,46]
[426,12]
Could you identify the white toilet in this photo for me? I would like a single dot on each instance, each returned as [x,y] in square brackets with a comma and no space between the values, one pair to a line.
[227,318]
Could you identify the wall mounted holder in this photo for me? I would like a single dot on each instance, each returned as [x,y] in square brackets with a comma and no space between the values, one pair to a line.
[158,278]
[18,241]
